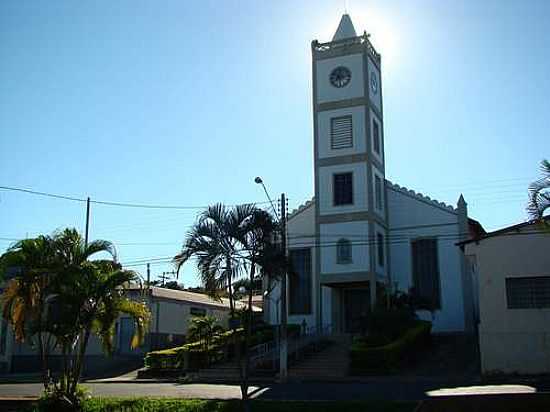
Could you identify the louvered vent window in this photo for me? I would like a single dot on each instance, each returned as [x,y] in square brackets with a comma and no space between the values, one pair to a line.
[527,293]
[341,132]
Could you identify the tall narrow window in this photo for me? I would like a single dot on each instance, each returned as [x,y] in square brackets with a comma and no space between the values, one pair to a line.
[341,132]
[380,245]
[300,282]
[343,189]
[376,136]
[426,271]
[378,192]
[343,252]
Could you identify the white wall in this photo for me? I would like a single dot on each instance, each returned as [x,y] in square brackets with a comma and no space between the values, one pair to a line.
[379,157]
[326,92]
[511,340]
[359,133]
[301,234]
[326,197]
[382,211]
[358,233]
[415,214]
[376,99]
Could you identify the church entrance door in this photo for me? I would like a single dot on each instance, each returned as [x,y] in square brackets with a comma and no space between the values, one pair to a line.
[356,310]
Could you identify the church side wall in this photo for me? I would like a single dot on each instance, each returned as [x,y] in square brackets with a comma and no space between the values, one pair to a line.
[301,234]
[410,218]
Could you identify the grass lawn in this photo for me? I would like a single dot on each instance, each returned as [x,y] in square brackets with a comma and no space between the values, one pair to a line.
[189,405]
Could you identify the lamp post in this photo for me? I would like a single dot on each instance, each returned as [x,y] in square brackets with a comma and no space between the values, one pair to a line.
[283,345]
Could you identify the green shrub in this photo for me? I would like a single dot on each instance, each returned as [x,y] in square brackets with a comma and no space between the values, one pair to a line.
[195,353]
[391,323]
[365,358]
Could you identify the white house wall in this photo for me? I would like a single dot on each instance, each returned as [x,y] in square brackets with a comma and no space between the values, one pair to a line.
[411,218]
[511,340]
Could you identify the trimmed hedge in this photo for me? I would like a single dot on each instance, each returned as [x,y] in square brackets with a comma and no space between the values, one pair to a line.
[197,356]
[195,353]
[365,358]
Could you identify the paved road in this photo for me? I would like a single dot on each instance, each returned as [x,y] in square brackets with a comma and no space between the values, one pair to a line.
[303,391]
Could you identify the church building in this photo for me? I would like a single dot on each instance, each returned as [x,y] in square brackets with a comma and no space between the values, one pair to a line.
[361,232]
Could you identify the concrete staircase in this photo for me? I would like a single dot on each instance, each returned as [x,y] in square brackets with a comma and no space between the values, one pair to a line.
[228,371]
[329,364]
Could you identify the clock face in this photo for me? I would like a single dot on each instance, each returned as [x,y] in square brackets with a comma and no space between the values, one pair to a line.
[340,76]
[373,83]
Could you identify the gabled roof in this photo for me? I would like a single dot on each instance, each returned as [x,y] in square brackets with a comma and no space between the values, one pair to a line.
[190,297]
[345,29]
[505,230]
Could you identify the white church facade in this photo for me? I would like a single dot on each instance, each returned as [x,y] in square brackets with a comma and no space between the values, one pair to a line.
[360,230]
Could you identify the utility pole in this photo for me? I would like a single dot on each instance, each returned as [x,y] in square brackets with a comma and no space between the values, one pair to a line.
[165,275]
[283,355]
[87,221]
[148,276]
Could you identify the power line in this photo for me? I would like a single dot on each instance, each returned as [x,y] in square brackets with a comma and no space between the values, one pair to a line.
[110,203]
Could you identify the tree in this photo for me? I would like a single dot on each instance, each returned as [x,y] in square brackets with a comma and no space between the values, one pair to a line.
[204,329]
[173,285]
[213,243]
[539,195]
[24,299]
[263,258]
[66,297]
[229,244]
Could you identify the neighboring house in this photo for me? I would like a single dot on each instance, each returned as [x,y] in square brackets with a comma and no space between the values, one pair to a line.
[512,268]
[170,309]
[360,230]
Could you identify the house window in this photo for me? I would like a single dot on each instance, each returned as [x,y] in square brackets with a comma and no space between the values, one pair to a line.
[426,272]
[300,282]
[341,132]
[343,189]
[376,136]
[343,251]
[528,293]
[378,192]
[198,312]
[380,246]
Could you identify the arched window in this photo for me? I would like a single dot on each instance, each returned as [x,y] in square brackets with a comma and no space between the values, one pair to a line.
[343,251]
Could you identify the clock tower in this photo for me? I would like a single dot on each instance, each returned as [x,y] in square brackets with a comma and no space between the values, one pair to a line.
[350,207]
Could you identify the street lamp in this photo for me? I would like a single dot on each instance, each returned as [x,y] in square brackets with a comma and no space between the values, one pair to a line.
[258,180]
[283,346]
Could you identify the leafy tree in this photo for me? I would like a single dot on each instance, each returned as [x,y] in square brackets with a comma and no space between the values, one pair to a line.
[173,285]
[539,195]
[62,297]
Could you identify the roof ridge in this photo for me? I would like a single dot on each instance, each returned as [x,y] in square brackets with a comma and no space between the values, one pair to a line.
[420,196]
[301,207]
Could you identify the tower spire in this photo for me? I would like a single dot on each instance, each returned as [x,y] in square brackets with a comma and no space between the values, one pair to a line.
[345,28]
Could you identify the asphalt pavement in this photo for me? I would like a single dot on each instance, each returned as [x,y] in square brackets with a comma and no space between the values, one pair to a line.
[387,390]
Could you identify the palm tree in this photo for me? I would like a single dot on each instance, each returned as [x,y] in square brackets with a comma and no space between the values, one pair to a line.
[61,294]
[227,245]
[263,258]
[213,242]
[24,299]
[539,195]
[91,301]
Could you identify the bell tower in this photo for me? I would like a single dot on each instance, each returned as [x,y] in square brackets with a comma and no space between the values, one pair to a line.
[351,210]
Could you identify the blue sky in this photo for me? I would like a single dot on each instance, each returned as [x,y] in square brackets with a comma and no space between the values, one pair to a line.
[185,103]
